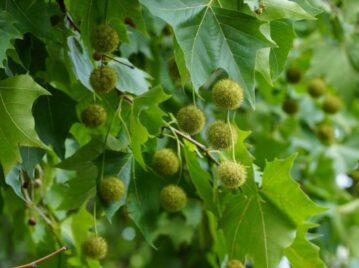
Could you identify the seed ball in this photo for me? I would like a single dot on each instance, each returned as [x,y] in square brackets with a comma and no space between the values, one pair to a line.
[294,75]
[191,119]
[234,263]
[103,79]
[173,198]
[316,87]
[95,247]
[111,189]
[232,174]
[290,106]
[94,116]
[166,162]
[31,221]
[104,39]
[227,94]
[331,104]
[221,135]
[325,133]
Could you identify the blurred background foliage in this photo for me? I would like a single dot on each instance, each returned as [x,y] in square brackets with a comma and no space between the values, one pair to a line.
[291,43]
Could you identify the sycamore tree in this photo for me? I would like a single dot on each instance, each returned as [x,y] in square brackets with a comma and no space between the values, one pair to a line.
[182,133]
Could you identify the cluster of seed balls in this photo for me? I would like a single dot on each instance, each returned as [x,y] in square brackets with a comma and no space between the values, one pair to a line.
[104,39]
[316,89]
[227,94]
[103,79]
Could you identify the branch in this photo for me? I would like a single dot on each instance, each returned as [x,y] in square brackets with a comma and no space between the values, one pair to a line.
[34,263]
[198,144]
[62,7]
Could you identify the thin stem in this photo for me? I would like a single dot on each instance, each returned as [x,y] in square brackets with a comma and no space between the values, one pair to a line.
[198,144]
[232,137]
[34,263]
[94,217]
[120,62]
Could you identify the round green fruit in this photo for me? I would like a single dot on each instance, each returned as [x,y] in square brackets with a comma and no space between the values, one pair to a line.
[94,116]
[191,119]
[234,263]
[331,104]
[316,87]
[227,94]
[294,75]
[232,174]
[166,162]
[104,39]
[325,133]
[290,106]
[221,135]
[111,189]
[173,198]
[103,79]
[95,247]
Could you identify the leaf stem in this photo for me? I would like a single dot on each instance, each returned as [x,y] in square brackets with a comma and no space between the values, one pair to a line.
[198,144]
[34,263]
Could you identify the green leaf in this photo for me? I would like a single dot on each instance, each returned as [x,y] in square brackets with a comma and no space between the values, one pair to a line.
[201,179]
[212,38]
[130,80]
[143,202]
[277,208]
[284,9]
[32,16]
[8,33]
[328,58]
[17,95]
[146,119]
[303,253]
[52,124]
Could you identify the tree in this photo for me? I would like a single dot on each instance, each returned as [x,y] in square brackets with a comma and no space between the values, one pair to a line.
[186,133]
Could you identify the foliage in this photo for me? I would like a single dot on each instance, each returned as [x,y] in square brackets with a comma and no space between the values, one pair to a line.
[272,179]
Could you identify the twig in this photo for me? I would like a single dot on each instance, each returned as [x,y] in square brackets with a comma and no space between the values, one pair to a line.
[120,62]
[62,7]
[198,144]
[34,263]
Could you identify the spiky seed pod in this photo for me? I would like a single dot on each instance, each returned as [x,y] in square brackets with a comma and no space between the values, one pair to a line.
[331,104]
[227,94]
[111,189]
[103,79]
[221,135]
[234,263]
[325,133]
[95,247]
[316,87]
[94,116]
[191,119]
[294,75]
[104,39]
[166,162]
[290,106]
[232,174]
[173,198]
